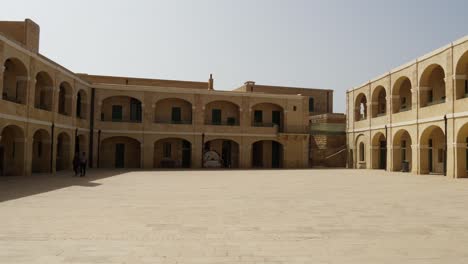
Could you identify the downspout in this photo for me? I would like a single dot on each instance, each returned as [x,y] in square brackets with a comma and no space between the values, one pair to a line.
[52,147]
[91,130]
[386,146]
[99,147]
[445,147]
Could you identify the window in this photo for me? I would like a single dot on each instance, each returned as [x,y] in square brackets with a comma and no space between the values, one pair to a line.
[116,113]
[311,105]
[167,150]
[258,116]
[361,152]
[430,96]
[216,116]
[176,115]
[294,108]
[440,155]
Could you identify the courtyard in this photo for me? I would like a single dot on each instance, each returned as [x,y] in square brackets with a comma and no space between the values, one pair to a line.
[257,216]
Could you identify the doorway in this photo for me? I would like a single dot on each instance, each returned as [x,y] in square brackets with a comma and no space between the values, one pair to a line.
[119,155]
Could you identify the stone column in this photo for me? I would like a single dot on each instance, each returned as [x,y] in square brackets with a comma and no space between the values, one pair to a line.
[147,156]
[196,152]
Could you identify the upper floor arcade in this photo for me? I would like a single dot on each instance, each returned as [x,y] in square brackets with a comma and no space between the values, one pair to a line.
[434,85]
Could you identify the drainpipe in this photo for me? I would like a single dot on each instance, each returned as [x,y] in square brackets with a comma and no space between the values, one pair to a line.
[99,148]
[386,146]
[76,138]
[91,130]
[445,147]
[52,147]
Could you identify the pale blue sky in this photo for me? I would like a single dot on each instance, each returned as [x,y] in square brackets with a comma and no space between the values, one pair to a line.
[322,44]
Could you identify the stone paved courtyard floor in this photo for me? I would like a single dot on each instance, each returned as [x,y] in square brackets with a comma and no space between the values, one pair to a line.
[263,216]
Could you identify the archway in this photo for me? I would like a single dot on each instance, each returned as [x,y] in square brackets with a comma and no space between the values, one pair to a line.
[360,107]
[221,153]
[379,152]
[379,102]
[402,96]
[15,81]
[267,154]
[43,92]
[41,152]
[63,159]
[172,153]
[432,151]
[120,152]
[267,115]
[121,109]
[12,151]
[65,98]
[462,152]
[173,111]
[461,74]
[402,153]
[222,113]
[432,86]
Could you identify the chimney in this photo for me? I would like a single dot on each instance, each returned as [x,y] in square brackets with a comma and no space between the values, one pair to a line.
[249,86]
[211,82]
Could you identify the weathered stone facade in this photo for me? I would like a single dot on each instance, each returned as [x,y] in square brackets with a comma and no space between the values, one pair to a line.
[48,113]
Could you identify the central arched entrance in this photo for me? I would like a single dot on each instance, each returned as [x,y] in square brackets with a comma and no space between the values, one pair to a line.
[41,152]
[402,154]
[267,154]
[120,152]
[379,152]
[462,152]
[12,151]
[172,153]
[221,153]
[432,151]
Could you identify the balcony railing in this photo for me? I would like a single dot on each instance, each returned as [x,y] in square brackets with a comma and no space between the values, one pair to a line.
[441,101]
[225,123]
[121,120]
[43,107]
[262,124]
[174,122]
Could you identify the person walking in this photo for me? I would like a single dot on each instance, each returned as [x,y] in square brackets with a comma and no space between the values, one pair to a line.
[83,163]
[76,163]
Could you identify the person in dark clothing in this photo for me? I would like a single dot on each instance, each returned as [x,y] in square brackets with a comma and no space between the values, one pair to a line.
[83,163]
[76,163]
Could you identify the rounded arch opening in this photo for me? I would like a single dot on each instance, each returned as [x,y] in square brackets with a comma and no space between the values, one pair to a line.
[379,151]
[63,152]
[402,151]
[221,153]
[120,152]
[65,99]
[172,153]
[432,86]
[432,151]
[121,109]
[43,92]
[379,102]
[41,152]
[267,154]
[12,151]
[81,104]
[360,107]
[402,96]
[173,111]
[15,81]
[222,113]
[462,152]
[267,115]
[461,74]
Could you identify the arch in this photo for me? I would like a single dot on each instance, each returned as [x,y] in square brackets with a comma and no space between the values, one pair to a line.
[173,111]
[379,151]
[65,99]
[221,153]
[121,108]
[379,101]
[81,104]
[15,81]
[267,154]
[221,112]
[401,95]
[63,149]
[172,153]
[41,152]
[120,152]
[461,80]
[462,152]
[267,115]
[360,107]
[43,91]
[360,147]
[402,151]
[432,150]
[432,86]
[12,151]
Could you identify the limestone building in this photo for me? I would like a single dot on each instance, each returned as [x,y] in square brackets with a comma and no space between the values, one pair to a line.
[48,113]
[415,117]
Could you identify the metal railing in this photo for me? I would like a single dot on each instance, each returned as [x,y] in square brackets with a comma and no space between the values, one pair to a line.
[222,123]
[174,122]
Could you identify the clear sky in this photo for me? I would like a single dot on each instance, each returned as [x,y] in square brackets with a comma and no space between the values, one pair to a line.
[315,44]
